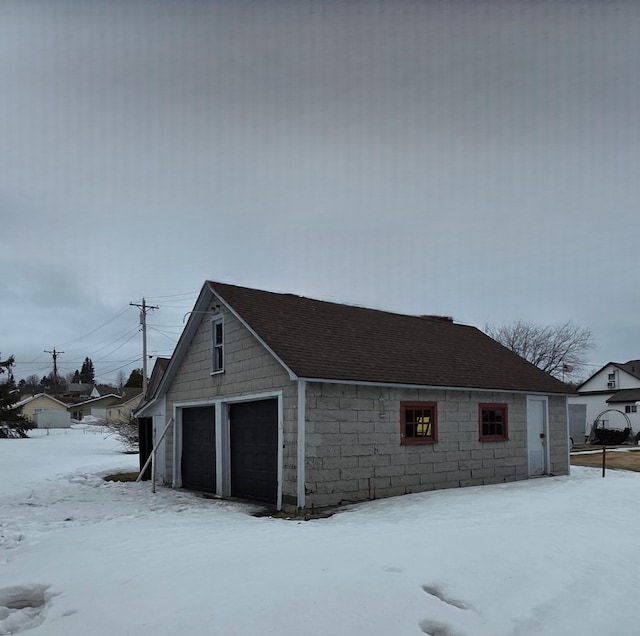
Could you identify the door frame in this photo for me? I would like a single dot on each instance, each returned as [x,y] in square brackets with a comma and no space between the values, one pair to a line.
[223,439]
[546,446]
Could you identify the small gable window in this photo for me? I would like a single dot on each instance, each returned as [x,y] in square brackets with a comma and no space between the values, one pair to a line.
[419,423]
[493,423]
[217,341]
[630,408]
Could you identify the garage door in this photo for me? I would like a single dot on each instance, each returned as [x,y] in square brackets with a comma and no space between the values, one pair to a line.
[199,449]
[254,450]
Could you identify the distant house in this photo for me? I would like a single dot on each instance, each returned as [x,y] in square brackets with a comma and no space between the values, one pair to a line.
[614,387]
[303,403]
[81,390]
[120,410]
[103,389]
[97,407]
[37,403]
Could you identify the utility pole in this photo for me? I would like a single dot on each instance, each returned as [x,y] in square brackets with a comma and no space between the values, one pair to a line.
[144,308]
[55,355]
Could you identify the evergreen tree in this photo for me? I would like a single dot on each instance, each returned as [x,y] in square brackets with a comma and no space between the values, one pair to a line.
[135,379]
[87,375]
[12,422]
[76,377]
[5,365]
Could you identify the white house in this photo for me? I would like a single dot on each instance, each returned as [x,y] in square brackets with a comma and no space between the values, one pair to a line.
[614,387]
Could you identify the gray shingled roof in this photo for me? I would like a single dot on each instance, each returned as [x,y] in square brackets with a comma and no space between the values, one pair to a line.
[625,395]
[330,341]
[632,367]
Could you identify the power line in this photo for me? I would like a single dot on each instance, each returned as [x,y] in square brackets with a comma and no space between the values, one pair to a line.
[131,336]
[126,364]
[104,324]
[166,335]
[194,293]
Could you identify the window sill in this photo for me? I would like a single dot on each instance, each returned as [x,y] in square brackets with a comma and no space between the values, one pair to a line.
[417,442]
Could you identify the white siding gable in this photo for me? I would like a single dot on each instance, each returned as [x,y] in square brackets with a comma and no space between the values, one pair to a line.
[611,373]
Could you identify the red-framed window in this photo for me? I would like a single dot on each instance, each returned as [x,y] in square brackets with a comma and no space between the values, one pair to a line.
[493,424]
[418,423]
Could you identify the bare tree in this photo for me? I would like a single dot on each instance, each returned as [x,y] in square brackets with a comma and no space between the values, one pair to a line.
[121,378]
[556,349]
[32,381]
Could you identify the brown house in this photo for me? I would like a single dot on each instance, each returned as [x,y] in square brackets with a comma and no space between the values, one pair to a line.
[305,403]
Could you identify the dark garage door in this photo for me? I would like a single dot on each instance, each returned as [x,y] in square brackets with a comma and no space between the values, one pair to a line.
[199,449]
[254,450]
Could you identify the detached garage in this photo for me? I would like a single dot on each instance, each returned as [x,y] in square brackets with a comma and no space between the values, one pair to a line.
[302,403]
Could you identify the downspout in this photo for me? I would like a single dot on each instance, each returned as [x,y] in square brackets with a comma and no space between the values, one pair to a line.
[302,412]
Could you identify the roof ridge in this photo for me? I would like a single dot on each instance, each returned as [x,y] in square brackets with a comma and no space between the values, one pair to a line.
[436,317]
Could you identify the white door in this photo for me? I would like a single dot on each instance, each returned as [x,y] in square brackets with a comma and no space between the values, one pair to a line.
[537,435]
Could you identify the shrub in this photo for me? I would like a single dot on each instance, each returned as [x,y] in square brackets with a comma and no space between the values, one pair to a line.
[126,432]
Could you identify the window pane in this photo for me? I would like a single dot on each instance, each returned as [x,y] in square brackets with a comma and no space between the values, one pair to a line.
[423,424]
[493,422]
[419,423]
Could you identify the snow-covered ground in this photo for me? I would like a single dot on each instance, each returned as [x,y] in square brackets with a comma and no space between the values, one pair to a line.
[83,557]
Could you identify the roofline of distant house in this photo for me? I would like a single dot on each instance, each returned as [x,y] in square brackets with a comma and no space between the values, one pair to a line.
[25,401]
[432,387]
[97,398]
[585,393]
[617,365]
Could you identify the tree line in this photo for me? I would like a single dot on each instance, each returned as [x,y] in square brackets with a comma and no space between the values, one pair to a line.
[85,375]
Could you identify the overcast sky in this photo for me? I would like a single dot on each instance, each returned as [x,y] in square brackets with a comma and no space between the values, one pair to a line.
[478,159]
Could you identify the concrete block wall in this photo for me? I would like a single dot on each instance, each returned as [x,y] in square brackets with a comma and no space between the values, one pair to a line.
[248,369]
[353,449]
